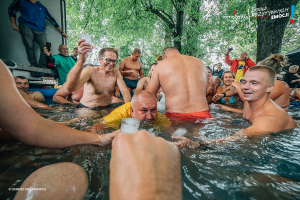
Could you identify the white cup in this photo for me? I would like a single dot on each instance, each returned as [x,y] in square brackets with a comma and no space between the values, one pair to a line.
[129,125]
[87,39]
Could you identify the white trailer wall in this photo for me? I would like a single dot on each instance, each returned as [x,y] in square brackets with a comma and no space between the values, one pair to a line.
[11,45]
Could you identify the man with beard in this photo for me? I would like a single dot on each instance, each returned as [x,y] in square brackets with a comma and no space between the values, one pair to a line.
[23,84]
[130,67]
[143,107]
[62,61]
[99,82]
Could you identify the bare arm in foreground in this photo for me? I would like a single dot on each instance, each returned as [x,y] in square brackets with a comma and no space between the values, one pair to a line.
[20,121]
[144,167]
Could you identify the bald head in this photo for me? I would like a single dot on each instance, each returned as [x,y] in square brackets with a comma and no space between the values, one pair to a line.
[140,95]
[169,51]
[144,106]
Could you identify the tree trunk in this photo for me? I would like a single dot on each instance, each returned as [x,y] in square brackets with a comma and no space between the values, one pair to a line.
[178,31]
[270,31]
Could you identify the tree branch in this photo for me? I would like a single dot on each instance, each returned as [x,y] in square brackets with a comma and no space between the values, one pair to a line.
[88,19]
[170,24]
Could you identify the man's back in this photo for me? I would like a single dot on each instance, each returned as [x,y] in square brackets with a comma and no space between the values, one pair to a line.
[183,80]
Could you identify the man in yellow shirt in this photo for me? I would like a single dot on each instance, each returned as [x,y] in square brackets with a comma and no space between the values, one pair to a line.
[143,107]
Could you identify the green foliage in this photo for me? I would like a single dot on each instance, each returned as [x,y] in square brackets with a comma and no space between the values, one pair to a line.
[208,27]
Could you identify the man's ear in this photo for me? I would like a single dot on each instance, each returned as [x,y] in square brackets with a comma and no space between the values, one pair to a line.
[270,88]
[131,112]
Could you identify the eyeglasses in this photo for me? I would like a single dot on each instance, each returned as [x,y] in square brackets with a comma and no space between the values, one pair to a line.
[110,61]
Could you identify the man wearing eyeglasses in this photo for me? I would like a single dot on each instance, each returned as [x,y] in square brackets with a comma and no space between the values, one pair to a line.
[130,67]
[99,82]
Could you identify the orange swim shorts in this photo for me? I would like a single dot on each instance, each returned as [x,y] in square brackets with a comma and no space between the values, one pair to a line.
[189,116]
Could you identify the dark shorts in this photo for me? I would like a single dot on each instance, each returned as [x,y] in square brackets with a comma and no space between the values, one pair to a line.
[131,83]
[112,105]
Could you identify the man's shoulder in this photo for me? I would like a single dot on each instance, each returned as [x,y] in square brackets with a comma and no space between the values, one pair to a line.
[125,59]
[282,84]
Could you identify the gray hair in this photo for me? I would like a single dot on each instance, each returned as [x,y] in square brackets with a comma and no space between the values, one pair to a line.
[136,96]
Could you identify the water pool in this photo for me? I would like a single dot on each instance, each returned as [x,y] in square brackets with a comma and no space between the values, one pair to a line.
[260,168]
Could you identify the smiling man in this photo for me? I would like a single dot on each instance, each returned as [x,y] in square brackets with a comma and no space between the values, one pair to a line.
[130,67]
[23,84]
[99,82]
[239,66]
[62,61]
[266,116]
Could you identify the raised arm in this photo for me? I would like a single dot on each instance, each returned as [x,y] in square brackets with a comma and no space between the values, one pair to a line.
[61,94]
[154,83]
[123,88]
[24,124]
[78,77]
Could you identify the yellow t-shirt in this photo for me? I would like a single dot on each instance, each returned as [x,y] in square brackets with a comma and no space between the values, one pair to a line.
[240,71]
[114,119]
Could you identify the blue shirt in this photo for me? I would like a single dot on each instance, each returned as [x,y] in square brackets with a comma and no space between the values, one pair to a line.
[32,14]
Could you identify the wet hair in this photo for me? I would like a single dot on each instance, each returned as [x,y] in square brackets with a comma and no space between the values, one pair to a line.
[226,72]
[269,70]
[136,50]
[208,67]
[137,94]
[21,77]
[103,50]
[168,49]
[275,61]
[75,48]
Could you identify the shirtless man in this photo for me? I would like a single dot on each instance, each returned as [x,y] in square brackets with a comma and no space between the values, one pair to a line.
[99,82]
[266,116]
[184,81]
[131,68]
[64,96]
[23,84]
[280,93]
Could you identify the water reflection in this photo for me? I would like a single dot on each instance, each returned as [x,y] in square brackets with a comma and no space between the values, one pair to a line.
[260,168]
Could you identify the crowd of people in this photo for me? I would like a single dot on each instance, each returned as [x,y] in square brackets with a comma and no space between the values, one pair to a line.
[94,86]
[189,88]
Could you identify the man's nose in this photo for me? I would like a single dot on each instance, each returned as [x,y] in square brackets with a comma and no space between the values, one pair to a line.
[148,115]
